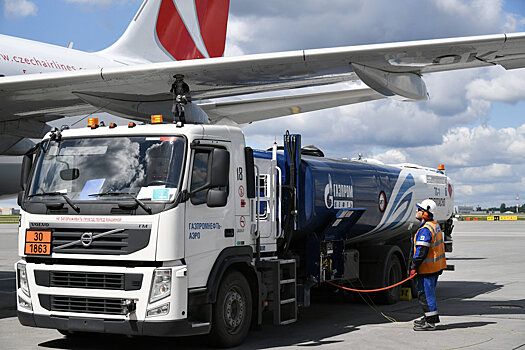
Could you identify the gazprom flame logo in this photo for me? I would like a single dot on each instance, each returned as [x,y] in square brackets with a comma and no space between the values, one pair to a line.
[337,195]
[328,193]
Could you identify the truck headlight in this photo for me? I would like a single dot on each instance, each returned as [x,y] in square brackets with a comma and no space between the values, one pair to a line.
[23,284]
[161,286]
[25,304]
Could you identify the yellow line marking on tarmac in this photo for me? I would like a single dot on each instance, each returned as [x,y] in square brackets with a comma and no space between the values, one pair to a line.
[503,330]
[469,345]
[469,330]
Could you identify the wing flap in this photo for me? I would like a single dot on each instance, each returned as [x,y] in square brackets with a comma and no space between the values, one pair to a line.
[250,110]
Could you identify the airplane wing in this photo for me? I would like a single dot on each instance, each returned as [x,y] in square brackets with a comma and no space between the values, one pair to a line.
[389,70]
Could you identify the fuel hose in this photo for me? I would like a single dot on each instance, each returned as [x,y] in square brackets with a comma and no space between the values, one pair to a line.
[372,290]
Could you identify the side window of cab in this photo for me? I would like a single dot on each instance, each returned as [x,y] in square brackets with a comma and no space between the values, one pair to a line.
[199,175]
[209,178]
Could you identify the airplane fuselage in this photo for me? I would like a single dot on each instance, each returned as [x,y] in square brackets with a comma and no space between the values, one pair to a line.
[21,56]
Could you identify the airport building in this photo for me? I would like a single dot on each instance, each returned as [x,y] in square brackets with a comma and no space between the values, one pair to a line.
[464,209]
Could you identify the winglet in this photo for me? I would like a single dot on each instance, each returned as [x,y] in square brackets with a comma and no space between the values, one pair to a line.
[164,30]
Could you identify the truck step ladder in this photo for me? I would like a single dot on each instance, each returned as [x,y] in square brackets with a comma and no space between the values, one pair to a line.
[279,275]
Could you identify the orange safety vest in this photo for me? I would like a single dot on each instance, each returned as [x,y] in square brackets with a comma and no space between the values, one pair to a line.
[435,260]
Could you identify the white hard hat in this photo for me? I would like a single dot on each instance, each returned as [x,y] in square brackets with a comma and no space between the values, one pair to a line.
[428,205]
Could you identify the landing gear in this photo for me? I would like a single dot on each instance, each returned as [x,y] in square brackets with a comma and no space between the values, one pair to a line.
[232,312]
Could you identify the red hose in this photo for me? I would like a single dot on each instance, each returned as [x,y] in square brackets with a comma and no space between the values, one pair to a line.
[371,290]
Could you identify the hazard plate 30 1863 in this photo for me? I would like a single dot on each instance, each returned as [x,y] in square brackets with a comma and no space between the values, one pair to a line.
[38,242]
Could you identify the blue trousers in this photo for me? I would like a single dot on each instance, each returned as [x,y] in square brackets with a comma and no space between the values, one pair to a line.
[426,293]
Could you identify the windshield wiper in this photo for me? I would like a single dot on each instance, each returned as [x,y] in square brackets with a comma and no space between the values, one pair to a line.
[132,195]
[66,198]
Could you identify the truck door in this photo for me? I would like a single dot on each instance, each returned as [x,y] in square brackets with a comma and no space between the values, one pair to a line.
[209,229]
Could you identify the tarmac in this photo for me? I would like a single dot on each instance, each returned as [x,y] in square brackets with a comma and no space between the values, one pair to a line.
[481,303]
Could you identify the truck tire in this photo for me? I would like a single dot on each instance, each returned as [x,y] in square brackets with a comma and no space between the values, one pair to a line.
[232,313]
[393,274]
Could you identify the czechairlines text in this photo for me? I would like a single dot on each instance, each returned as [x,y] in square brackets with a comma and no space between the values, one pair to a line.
[39,62]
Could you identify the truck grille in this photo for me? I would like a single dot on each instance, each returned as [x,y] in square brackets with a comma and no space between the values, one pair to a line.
[88,280]
[67,303]
[120,243]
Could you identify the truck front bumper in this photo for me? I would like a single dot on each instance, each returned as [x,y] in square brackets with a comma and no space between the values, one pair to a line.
[85,298]
[129,327]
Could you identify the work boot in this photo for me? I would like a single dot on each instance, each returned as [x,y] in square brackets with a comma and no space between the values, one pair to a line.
[425,327]
[420,321]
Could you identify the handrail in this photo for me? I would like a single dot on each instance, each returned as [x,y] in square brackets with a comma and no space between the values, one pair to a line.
[257,200]
[278,214]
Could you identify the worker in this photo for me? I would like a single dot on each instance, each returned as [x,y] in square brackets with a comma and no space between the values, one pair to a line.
[428,262]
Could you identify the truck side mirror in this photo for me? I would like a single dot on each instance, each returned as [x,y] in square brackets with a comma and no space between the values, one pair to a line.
[216,198]
[250,172]
[20,199]
[220,168]
[27,163]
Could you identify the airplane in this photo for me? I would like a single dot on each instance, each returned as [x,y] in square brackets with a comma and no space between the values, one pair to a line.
[171,54]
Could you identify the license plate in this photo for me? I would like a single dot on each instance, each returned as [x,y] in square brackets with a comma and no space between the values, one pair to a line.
[38,242]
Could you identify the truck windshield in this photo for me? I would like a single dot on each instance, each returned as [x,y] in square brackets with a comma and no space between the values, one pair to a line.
[148,168]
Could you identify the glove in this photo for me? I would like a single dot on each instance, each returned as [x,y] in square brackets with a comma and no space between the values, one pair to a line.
[412,272]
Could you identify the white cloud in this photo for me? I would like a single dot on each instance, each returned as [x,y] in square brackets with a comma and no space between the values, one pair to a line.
[480,148]
[506,86]
[485,10]
[19,8]
[239,33]
[392,156]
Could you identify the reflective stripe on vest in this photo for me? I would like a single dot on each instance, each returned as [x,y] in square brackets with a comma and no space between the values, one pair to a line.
[435,260]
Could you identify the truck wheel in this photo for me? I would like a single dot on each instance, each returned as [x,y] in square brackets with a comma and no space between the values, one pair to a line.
[392,276]
[232,312]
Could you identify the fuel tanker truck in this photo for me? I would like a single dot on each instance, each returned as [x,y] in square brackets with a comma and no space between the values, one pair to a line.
[169,229]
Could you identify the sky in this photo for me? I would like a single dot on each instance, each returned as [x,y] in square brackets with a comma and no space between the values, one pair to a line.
[474,121]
